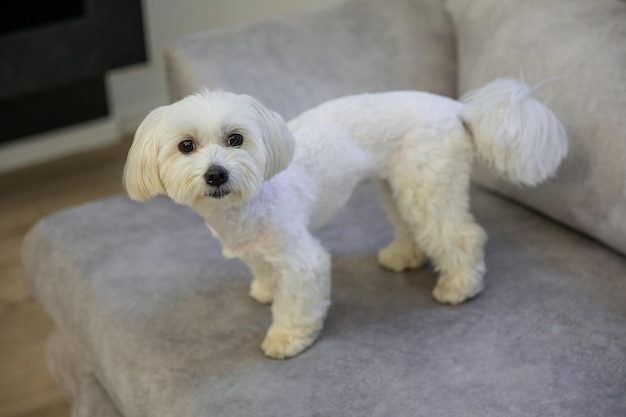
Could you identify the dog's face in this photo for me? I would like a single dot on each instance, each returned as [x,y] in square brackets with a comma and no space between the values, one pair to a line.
[212,148]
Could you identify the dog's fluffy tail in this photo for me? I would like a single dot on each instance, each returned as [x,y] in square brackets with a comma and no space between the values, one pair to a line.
[515,135]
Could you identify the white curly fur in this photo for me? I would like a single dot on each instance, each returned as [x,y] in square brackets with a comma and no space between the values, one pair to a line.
[514,135]
[417,146]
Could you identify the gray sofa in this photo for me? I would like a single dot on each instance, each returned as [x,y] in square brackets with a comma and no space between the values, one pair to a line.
[151,320]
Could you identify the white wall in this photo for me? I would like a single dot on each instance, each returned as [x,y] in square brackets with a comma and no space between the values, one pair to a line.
[134,91]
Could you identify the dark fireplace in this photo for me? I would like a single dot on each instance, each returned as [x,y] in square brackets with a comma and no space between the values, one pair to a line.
[54,56]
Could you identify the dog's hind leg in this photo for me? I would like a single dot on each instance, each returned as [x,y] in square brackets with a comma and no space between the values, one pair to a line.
[434,201]
[402,253]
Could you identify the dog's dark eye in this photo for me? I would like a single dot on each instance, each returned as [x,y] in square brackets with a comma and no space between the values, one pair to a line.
[186,146]
[235,140]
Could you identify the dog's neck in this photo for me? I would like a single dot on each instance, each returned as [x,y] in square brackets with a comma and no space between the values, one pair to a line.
[220,220]
[240,228]
[236,226]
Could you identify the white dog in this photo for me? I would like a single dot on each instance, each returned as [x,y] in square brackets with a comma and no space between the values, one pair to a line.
[263,185]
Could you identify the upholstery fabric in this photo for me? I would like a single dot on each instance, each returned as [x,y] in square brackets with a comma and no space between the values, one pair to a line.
[582,45]
[151,314]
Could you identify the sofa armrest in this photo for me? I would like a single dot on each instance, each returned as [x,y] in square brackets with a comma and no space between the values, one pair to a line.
[296,61]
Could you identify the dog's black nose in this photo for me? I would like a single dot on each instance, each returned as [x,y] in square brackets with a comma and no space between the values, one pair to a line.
[216,175]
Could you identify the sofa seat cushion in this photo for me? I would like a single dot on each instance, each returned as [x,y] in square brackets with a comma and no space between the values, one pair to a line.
[152,320]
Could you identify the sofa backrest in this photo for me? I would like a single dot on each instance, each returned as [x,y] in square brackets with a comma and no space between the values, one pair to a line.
[297,61]
[582,45]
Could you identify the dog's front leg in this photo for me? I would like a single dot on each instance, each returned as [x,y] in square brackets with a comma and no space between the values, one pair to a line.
[263,281]
[301,298]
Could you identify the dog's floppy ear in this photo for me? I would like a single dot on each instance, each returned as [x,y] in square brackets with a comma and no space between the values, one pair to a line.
[279,142]
[141,172]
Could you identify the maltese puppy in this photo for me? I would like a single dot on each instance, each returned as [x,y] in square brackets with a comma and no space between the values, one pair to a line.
[263,185]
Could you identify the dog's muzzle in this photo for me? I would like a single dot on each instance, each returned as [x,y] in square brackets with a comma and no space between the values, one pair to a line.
[216,177]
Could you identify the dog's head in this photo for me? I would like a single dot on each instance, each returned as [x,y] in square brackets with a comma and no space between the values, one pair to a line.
[208,148]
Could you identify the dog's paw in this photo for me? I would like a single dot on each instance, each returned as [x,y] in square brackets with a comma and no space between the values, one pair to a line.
[261,292]
[399,257]
[454,289]
[280,343]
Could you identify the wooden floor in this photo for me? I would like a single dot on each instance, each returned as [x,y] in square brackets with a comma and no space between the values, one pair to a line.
[26,388]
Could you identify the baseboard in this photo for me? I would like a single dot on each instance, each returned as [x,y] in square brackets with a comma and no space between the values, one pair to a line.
[83,137]
[59,143]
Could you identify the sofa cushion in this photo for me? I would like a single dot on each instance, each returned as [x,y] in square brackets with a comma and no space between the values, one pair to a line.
[149,313]
[582,44]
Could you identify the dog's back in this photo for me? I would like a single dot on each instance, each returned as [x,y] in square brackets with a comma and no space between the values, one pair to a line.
[353,138]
